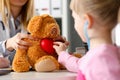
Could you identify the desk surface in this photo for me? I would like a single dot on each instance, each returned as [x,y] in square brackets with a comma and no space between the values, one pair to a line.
[32,75]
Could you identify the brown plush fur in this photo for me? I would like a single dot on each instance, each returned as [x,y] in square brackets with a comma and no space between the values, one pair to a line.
[43,26]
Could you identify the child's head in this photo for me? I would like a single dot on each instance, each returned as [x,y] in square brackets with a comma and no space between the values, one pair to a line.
[97,13]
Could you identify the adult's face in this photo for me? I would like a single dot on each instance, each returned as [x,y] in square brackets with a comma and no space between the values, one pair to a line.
[18,3]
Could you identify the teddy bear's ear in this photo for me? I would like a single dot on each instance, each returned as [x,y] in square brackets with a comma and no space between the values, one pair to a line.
[34,24]
[54,31]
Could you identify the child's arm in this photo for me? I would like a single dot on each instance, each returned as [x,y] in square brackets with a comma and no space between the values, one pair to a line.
[69,61]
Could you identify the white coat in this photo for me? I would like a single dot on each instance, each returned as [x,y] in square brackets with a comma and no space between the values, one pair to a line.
[7,32]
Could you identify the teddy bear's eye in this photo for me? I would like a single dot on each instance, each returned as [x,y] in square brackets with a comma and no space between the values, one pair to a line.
[28,33]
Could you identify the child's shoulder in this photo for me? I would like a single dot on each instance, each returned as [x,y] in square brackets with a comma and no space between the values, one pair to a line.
[106,47]
[102,51]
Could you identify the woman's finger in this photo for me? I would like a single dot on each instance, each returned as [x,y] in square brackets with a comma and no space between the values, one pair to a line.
[22,42]
[22,36]
[18,46]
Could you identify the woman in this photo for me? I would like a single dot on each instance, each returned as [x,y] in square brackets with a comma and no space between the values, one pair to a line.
[14,17]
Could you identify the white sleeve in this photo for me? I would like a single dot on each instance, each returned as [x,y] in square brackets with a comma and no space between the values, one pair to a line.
[2,48]
[3,51]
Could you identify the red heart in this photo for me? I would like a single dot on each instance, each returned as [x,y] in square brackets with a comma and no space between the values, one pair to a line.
[47,46]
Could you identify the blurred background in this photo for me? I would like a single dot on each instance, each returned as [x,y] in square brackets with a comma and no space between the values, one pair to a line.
[60,10]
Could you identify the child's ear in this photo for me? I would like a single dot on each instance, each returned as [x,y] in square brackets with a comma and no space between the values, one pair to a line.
[89,20]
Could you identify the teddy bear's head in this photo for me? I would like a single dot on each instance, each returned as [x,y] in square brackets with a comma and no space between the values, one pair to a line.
[43,26]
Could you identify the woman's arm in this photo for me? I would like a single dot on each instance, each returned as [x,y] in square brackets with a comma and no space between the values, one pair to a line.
[3,50]
[4,63]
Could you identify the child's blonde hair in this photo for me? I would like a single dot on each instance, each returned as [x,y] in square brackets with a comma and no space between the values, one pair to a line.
[26,13]
[106,10]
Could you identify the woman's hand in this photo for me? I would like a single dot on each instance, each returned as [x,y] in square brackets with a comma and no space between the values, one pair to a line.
[60,46]
[18,42]
[4,63]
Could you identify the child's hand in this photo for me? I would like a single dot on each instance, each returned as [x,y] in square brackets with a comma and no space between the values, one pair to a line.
[60,46]
[4,63]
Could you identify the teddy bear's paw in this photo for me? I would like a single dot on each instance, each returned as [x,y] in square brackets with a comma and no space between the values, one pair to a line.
[21,68]
[46,63]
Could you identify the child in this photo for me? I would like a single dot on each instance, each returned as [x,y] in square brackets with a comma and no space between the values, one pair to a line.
[94,21]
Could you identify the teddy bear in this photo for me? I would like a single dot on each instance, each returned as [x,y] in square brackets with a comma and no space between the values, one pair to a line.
[35,57]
